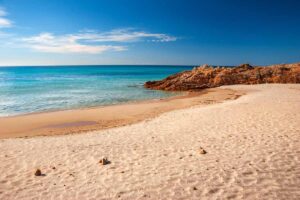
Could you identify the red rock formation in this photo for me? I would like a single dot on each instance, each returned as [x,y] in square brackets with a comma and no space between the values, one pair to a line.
[208,77]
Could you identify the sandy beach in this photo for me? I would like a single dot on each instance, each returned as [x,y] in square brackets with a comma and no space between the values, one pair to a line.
[252,144]
[103,117]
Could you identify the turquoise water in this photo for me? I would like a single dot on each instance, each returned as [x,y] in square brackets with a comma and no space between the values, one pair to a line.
[36,89]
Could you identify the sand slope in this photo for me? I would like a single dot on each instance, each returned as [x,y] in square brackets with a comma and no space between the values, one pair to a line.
[253,146]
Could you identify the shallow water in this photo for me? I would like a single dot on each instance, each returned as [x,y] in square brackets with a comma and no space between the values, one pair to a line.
[35,89]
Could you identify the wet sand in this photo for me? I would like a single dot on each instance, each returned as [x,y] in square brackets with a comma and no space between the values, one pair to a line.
[98,118]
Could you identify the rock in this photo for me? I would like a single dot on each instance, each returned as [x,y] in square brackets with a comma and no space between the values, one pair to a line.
[38,172]
[202,151]
[209,77]
[104,161]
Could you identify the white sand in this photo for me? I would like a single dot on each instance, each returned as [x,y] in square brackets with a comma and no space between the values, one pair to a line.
[253,146]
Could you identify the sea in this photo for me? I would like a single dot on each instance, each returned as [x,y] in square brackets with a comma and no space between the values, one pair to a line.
[31,89]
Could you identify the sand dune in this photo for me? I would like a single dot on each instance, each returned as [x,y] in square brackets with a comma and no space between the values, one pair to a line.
[252,144]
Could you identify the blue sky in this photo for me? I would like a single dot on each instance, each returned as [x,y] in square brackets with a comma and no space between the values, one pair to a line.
[219,32]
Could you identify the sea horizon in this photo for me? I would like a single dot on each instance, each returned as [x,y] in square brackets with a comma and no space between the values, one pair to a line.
[96,65]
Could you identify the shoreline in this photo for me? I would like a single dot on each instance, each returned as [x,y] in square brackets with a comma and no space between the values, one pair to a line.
[183,94]
[81,120]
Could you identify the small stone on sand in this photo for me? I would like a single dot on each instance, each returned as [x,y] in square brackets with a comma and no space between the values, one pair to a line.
[202,151]
[38,172]
[104,161]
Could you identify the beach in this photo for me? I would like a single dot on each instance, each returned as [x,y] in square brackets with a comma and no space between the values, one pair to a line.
[250,133]
[103,117]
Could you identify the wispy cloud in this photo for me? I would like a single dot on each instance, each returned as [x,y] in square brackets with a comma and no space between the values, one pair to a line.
[4,22]
[126,35]
[47,42]
[91,41]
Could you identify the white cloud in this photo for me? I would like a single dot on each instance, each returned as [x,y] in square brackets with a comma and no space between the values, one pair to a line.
[47,42]
[126,35]
[4,22]
[91,41]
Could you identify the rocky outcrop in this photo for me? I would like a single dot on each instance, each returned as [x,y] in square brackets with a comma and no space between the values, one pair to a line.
[208,77]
